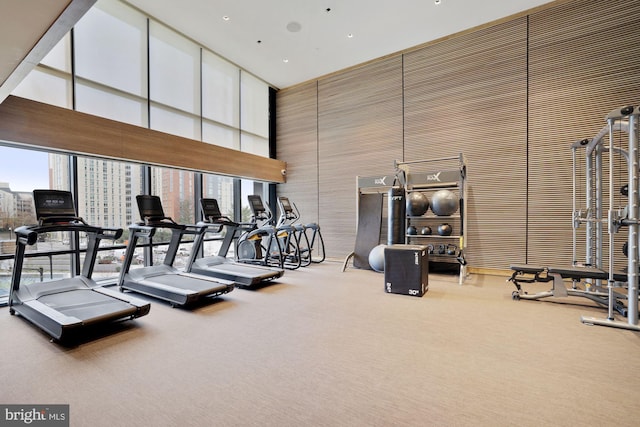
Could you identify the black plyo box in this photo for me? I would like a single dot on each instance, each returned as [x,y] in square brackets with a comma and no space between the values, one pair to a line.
[406,269]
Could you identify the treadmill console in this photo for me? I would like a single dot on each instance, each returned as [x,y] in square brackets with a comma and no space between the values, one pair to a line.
[150,208]
[54,206]
[210,210]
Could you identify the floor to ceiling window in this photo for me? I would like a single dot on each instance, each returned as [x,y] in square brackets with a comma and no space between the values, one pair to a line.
[122,65]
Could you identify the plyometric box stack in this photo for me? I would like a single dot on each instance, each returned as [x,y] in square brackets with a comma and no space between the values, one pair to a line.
[406,269]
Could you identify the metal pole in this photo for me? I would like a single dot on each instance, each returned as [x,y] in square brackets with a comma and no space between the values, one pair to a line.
[599,238]
[632,272]
[574,258]
[611,227]
[589,204]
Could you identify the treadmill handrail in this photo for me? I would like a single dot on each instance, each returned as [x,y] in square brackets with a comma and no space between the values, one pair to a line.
[145,230]
[25,235]
[160,221]
[28,234]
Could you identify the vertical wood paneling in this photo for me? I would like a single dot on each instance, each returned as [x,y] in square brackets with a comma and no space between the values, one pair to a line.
[359,133]
[296,115]
[512,98]
[584,62]
[468,95]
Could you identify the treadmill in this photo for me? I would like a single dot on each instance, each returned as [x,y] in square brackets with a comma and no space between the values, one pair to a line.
[219,265]
[164,281]
[63,308]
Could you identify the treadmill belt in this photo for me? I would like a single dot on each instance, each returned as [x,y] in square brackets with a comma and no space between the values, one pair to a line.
[189,283]
[241,270]
[87,305]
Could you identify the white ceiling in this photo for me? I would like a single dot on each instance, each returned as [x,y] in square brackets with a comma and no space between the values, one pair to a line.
[321,46]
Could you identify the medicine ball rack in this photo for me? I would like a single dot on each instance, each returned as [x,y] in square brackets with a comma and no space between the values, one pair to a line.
[428,177]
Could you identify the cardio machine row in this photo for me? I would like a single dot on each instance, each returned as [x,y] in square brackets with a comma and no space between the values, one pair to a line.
[284,243]
[67,307]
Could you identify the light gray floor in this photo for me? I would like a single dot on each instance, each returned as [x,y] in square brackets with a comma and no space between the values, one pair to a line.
[325,348]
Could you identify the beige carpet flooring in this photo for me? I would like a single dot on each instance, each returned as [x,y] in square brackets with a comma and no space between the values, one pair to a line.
[326,348]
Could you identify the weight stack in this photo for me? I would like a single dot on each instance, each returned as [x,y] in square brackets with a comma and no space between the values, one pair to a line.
[406,269]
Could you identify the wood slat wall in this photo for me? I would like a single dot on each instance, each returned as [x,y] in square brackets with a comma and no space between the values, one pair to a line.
[359,133]
[297,141]
[512,97]
[584,62]
[468,96]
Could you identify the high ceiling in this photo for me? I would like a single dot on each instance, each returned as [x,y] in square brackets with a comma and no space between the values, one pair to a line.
[286,42]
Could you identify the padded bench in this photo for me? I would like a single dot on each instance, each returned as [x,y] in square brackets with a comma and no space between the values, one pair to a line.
[525,273]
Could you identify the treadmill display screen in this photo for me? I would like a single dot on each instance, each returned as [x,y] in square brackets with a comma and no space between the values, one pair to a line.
[210,208]
[53,203]
[150,206]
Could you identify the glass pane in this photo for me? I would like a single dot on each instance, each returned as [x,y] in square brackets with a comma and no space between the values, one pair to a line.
[60,56]
[174,67]
[254,105]
[107,191]
[111,47]
[248,188]
[254,144]
[220,90]
[17,183]
[175,123]
[99,102]
[46,86]
[221,189]
[106,198]
[220,135]
[175,188]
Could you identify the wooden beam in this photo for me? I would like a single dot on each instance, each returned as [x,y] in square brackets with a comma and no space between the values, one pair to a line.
[55,129]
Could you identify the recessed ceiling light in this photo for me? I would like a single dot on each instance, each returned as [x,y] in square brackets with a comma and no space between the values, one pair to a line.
[225,18]
[437,1]
[350,35]
[294,27]
[285,60]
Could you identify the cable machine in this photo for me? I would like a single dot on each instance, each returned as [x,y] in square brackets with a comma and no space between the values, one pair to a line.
[622,119]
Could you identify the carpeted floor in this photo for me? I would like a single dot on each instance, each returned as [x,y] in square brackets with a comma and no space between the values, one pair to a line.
[326,348]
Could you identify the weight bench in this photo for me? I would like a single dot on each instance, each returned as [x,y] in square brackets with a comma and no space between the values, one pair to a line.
[524,273]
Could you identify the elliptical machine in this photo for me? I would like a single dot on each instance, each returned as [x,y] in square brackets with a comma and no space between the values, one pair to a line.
[310,240]
[294,238]
[266,244]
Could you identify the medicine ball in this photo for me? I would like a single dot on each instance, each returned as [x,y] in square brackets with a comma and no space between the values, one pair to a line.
[376,258]
[444,202]
[417,204]
[444,230]
[426,230]
[412,230]
[624,190]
